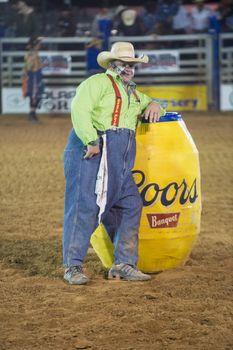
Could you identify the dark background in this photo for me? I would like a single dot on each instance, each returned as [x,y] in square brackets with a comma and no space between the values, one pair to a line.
[94,3]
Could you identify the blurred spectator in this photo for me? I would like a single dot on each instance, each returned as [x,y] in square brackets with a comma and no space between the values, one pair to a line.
[150,17]
[102,25]
[66,22]
[66,27]
[181,20]
[32,76]
[225,15]
[93,48]
[130,24]
[117,15]
[165,12]
[3,19]
[200,17]
[24,20]
[3,27]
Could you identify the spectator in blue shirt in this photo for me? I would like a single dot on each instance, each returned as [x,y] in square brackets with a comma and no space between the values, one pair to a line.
[150,17]
[165,12]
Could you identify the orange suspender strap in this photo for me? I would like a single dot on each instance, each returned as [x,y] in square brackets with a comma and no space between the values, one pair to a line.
[118,103]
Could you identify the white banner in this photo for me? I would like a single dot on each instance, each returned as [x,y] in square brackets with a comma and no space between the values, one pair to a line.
[55,100]
[160,61]
[55,63]
[226,98]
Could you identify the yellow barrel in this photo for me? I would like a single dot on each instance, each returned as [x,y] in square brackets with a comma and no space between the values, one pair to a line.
[167,174]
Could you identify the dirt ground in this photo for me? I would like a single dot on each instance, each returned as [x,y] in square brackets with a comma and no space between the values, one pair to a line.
[186,308]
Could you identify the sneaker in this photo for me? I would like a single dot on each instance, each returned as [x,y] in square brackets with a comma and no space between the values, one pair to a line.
[74,275]
[127,273]
[33,117]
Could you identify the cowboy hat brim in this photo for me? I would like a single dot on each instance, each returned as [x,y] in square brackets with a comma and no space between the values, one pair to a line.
[105,57]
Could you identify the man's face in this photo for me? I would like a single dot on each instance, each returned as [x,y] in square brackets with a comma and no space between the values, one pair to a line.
[127,70]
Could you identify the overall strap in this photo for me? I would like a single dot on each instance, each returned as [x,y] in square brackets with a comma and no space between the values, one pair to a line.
[136,96]
[118,103]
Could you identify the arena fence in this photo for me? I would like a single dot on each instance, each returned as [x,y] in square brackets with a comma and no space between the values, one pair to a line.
[225,71]
[226,58]
[177,60]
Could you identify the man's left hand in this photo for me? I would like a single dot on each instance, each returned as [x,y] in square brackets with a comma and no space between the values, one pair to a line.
[92,151]
[152,112]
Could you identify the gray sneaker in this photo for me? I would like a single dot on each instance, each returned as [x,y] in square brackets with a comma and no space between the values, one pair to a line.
[74,275]
[127,273]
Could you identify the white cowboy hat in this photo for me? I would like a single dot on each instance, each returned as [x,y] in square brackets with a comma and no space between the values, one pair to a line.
[122,51]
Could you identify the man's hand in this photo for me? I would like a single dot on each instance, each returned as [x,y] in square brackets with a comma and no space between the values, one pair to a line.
[92,151]
[152,112]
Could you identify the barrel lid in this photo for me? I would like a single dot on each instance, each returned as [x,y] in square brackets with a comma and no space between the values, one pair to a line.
[168,117]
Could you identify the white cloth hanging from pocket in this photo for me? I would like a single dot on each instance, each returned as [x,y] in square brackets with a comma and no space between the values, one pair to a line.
[101,186]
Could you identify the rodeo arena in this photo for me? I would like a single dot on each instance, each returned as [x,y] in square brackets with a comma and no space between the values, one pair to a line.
[53,58]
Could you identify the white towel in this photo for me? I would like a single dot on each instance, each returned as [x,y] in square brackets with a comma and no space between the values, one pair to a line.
[101,186]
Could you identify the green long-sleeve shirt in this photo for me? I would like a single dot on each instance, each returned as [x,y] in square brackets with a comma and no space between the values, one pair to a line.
[93,105]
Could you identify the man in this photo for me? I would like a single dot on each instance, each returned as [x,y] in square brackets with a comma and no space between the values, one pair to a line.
[32,75]
[25,20]
[98,160]
[200,17]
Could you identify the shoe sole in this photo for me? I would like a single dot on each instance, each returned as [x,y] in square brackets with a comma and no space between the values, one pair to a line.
[117,277]
[77,283]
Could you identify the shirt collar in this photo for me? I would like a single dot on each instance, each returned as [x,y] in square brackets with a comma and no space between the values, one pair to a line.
[131,85]
[113,74]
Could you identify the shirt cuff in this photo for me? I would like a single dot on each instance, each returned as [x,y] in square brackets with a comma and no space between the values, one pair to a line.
[94,143]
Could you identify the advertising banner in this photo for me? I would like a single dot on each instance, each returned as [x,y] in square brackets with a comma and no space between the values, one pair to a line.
[55,64]
[160,62]
[179,97]
[55,100]
[58,100]
[226,99]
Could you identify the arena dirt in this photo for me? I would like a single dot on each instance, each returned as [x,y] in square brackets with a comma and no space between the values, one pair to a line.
[182,309]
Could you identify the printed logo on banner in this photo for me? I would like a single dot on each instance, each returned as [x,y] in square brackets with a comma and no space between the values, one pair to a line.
[231,98]
[56,64]
[192,103]
[179,98]
[226,100]
[56,100]
[15,100]
[163,220]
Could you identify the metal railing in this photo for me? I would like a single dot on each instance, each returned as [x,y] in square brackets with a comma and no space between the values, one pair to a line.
[226,58]
[12,60]
[196,61]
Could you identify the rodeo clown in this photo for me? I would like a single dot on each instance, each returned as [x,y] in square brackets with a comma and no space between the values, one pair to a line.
[98,160]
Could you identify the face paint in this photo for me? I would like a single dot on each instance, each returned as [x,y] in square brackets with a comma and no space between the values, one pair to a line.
[124,69]
[117,69]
